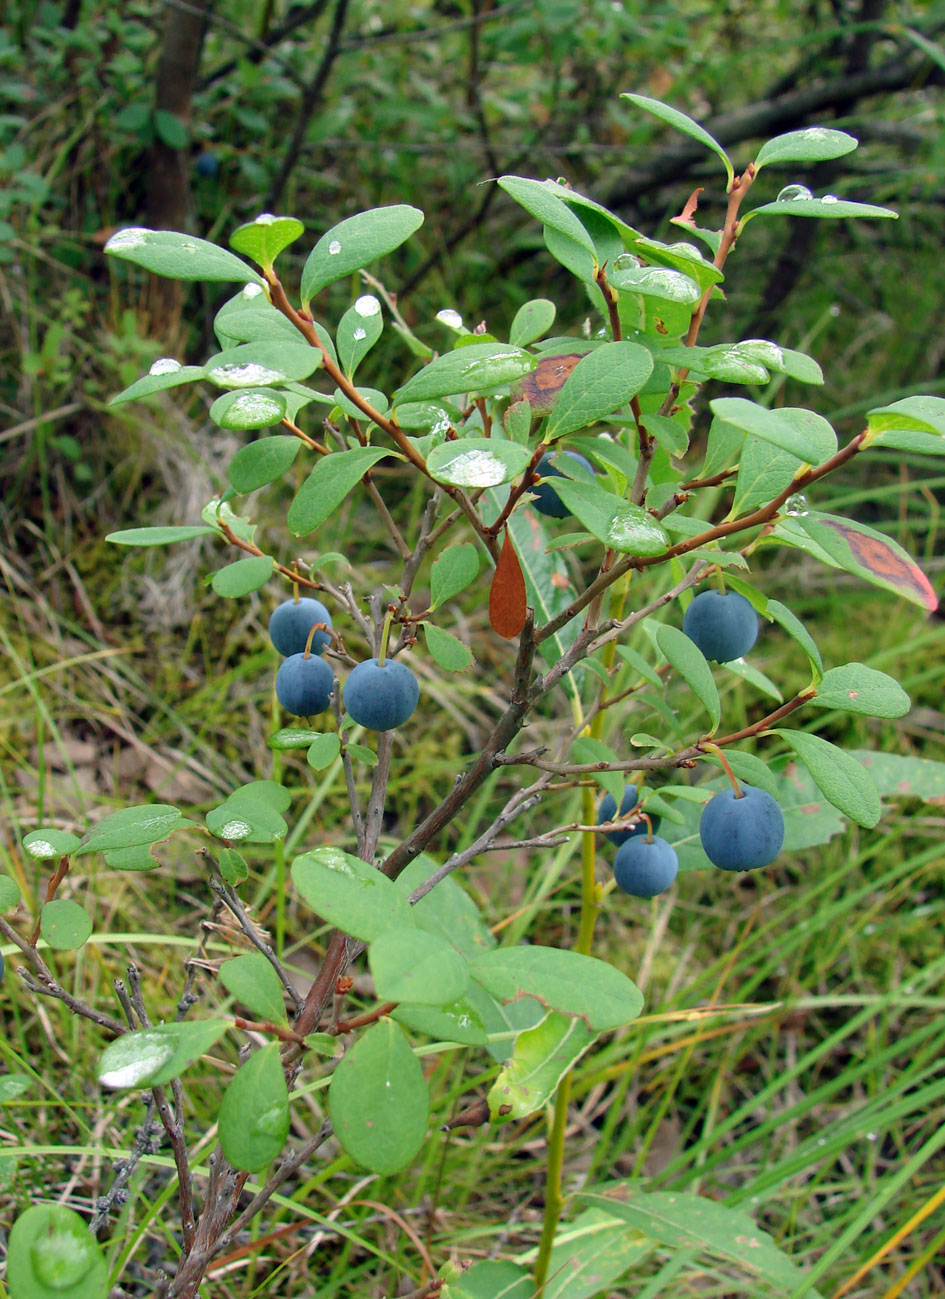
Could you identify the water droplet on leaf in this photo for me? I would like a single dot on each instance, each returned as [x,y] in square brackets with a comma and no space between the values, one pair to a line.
[367,305]
[830,198]
[791,193]
[450,318]
[266,219]
[165,365]
[334,248]
[236,830]
[359,334]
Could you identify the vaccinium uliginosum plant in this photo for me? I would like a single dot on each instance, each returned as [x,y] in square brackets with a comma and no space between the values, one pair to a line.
[578,563]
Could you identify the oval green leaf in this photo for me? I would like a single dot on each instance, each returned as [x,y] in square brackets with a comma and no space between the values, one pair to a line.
[52,1255]
[150,1057]
[855,688]
[842,780]
[266,237]
[619,524]
[333,477]
[254,1113]
[262,462]
[599,385]
[131,826]
[417,966]
[683,123]
[350,894]
[477,462]
[248,408]
[253,982]
[161,536]
[47,842]
[243,576]
[258,365]
[565,981]
[812,144]
[178,256]
[687,659]
[355,243]
[477,367]
[378,1100]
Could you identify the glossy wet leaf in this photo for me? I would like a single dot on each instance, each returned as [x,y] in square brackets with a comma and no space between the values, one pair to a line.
[172,375]
[249,408]
[812,144]
[560,980]
[358,330]
[477,462]
[291,737]
[263,461]
[153,1056]
[333,477]
[355,243]
[682,122]
[252,813]
[656,282]
[52,1255]
[350,894]
[255,984]
[478,367]
[828,207]
[130,826]
[620,524]
[254,1113]
[804,442]
[47,842]
[178,256]
[378,1100]
[258,365]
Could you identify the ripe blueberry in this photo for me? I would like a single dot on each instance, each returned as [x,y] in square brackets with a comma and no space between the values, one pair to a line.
[291,622]
[206,163]
[645,867]
[547,501]
[741,833]
[723,626]
[303,685]
[608,812]
[381,696]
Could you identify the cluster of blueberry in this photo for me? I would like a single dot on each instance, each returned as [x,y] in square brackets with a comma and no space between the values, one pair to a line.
[377,695]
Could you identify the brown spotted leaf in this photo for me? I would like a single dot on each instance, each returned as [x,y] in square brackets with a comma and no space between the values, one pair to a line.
[507,602]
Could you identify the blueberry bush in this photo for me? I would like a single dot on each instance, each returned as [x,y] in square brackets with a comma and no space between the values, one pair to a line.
[577,478]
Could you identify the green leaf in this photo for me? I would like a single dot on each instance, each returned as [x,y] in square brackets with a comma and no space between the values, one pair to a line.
[452,571]
[870,555]
[771,425]
[564,981]
[293,738]
[588,749]
[541,1058]
[254,320]
[255,984]
[841,779]
[252,813]
[855,688]
[493,1280]
[52,1255]
[358,330]
[131,826]
[233,866]
[258,365]
[749,768]
[683,257]
[254,1112]
[178,256]
[323,751]
[447,910]
[478,367]
[249,408]
[682,1220]
[727,363]
[799,633]
[171,131]
[355,243]
[243,576]
[446,650]
[682,123]
[12,1086]
[378,1100]
[685,657]
[599,385]
[617,523]
[47,842]
[333,477]
[532,319]
[64,924]
[266,237]
[654,281]
[160,536]
[829,207]
[913,424]
[350,894]
[139,858]
[458,1021]
[262,462]
[764,470]
[165,373]
[536,197]
[417,966]
[812,144]
[477,462]
[9,893]
[590,1252]
[897,776]
[150,1057]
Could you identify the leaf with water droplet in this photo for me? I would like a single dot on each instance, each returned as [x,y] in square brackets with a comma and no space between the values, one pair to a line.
[52,1255]
[266,237]
[617,523]
[150,1057]
[258,365]
[508,606]
[254,1112]
[548,208]
[656,282]
[479,367]
[160,382]
[47,842]
[812,144]
[808,206]
[248,408]
[178,256]
[599,385]
[477,462]
[355,243]
[358,330]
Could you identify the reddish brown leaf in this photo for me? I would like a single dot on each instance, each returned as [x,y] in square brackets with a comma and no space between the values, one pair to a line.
[507,605]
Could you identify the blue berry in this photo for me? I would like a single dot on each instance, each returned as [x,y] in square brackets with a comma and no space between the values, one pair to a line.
[723,626]
[381,696]
[304,685]
[547,501]
[291,622]
[741,833]
[206,163]
[645,867]
[608,812]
